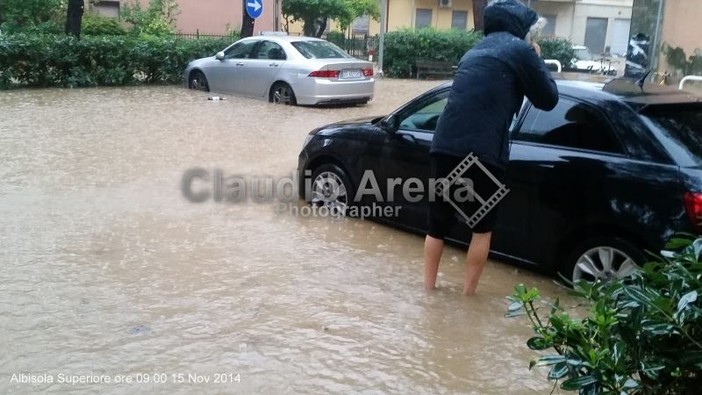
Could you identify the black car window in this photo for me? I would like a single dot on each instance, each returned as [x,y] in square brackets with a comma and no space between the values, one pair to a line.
[425,115]
[270,51]
[240,50]
[683,128]
[570,124]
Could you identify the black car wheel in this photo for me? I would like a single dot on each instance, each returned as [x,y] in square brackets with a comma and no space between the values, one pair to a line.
[282,93]
[331,188]
[198,81]
[602,259]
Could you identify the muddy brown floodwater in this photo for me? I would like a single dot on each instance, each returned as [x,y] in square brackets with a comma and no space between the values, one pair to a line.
[109,274]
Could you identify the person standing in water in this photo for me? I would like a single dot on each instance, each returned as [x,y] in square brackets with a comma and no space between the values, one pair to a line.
[488,90]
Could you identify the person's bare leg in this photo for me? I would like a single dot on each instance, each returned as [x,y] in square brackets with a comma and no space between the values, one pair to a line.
[433,248]
[475,261]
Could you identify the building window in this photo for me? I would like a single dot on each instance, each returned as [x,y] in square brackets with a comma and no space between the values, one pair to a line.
[550,29]
[108,9]
[423,18]
[459,20]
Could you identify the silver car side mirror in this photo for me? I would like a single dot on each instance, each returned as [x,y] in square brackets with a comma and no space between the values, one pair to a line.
[219,55]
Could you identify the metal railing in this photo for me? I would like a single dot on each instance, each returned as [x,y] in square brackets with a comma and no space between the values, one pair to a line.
[689,78]
[198,35]
[556,63]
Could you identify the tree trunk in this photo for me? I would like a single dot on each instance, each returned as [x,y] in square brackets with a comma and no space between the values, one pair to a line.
[322,27]
[478,12]
[74,17]
[247,23]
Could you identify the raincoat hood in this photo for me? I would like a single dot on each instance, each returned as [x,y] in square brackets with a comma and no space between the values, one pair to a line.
[509,16]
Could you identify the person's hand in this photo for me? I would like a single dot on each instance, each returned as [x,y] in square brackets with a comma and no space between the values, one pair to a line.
[537,47]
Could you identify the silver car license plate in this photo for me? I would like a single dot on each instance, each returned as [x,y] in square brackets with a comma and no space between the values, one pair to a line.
[352,73]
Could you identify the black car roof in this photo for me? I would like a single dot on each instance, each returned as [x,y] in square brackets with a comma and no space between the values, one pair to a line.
[622,90]
[627,91]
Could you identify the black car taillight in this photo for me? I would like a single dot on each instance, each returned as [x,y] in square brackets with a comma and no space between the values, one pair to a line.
[693,206]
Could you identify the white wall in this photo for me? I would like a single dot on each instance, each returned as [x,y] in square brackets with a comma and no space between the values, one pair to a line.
[612,9]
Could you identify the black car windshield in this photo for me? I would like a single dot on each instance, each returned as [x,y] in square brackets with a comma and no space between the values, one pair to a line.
[319,50]
[683,128]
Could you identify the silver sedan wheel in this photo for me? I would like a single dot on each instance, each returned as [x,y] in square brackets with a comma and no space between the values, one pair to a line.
[283,94]
[603,263]
[198,81]
[328,190]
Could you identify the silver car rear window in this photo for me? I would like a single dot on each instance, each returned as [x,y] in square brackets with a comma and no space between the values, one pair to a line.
[319,50]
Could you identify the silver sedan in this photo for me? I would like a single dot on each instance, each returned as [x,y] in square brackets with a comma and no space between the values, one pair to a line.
[285,69]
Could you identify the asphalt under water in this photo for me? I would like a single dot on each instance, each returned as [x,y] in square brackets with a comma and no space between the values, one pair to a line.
[106,269]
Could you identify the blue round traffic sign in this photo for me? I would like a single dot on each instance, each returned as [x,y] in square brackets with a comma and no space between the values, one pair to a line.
[254,8]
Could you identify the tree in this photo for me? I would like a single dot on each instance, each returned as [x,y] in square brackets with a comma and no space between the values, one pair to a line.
[74,17]
[23,15]
[315,14]
[478,13]
[157,19]
[247,23]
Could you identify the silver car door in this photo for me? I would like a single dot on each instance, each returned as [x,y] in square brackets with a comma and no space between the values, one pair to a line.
[227,75]
[260,71]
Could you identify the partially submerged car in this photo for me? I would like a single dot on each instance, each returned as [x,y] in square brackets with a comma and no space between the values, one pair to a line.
[612,172]
[286,70]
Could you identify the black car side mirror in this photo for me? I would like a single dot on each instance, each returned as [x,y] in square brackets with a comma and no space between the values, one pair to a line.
[390,124]
[219,55]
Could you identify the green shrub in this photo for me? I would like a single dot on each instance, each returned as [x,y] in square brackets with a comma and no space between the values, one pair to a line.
[45,16]
[337,38]
[62,61]
[642,335]
[559,49]
[95,25]
[404,47]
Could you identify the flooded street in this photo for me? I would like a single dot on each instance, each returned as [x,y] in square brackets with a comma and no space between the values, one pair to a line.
[108,271]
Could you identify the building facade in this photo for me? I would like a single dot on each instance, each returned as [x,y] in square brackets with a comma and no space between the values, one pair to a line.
[601,25]
[666,38]
[205,16]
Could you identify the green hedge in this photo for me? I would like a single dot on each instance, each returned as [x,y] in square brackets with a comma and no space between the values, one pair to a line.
[404,47]
[559,49]
[61,61]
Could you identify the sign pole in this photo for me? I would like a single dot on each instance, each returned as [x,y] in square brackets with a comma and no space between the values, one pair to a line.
[381,36]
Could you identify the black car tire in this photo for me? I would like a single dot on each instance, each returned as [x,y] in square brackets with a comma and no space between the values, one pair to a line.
[198,81]
[599,250]
[340,193]
[282,93]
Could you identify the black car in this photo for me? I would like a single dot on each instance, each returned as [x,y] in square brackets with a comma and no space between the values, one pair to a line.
[611,173]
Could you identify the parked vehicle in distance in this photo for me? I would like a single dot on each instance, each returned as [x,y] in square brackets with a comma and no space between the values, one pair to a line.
[284,69]
[612,172]
[585,61]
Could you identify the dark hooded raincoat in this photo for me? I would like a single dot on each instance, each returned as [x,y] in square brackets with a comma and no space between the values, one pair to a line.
[489,87]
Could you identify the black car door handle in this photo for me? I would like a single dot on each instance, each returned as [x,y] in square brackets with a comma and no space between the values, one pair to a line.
[239,64]
[274,65]
[407,137]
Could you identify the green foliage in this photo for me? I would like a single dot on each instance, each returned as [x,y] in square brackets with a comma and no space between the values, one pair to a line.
[32,15]
[676,57]
[96,25]
[315,13]
[642,335]
[559,49]
[62,61]
[338,38]
[157,19]
[404,47]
